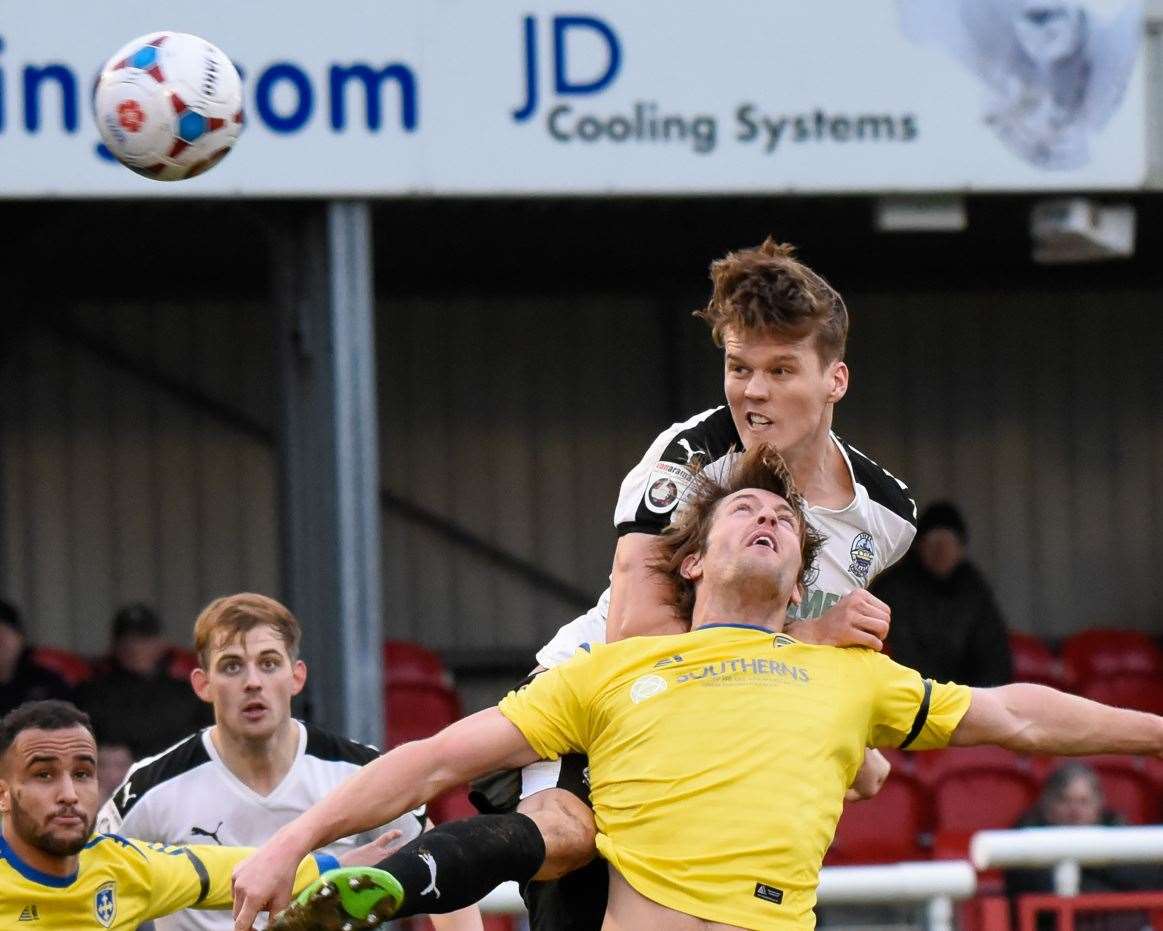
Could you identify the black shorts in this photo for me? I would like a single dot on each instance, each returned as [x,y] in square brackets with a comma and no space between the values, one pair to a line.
[577,901]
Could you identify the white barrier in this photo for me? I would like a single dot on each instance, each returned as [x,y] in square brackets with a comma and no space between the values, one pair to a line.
[1066,850]
[939,884]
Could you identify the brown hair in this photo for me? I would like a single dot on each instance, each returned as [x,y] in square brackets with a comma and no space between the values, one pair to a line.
[226,619]
[760,467]
[767,288]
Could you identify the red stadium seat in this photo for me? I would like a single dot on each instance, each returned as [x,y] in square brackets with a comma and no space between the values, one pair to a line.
[1036,662]
[182,663]
[1141,691]
[977,796]
[894,825]
[1101,653]
[409,663]
[933,765]
[1128,788]
[415,711]
[72,667]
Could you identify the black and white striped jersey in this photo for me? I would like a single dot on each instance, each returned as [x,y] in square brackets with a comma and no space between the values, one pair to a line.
[864,538]
[187,795]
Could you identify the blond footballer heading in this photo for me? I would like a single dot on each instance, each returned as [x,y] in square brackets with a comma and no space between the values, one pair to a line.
[718,758]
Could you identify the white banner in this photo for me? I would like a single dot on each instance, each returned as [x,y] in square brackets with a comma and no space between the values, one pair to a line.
[381,97]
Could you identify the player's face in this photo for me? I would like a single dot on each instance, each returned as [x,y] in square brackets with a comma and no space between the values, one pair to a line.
[779,390]
[250,681]
[754,540]
[49,792]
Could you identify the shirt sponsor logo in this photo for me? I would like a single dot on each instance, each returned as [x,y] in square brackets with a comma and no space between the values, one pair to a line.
[666,661]
[815,602]
[646,687]
[746,668]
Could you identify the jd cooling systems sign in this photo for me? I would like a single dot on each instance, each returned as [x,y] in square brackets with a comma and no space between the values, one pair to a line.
[450,96]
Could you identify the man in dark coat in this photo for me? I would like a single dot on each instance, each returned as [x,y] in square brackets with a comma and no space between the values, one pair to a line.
[945,620]
[21,679]
[135,701]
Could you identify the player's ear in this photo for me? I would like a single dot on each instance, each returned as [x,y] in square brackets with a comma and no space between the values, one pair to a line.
[5,796]
[691,568]
[298,676]
[200,683]
[797,593]
[838,381]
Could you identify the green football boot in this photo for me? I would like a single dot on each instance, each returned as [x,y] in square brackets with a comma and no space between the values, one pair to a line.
[346,899]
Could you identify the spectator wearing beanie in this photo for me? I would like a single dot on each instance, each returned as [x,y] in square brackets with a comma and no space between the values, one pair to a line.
[134,701]
[21,679]
[945,619]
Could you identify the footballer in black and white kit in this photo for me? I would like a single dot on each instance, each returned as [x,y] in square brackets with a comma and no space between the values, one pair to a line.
[863,539]
[188,795]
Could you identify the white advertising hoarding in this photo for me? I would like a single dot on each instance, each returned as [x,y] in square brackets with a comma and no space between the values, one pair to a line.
[379,97]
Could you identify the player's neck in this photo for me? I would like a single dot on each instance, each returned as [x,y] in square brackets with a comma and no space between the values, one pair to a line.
[38,859]
[259,763]
[819,469]
[730,606]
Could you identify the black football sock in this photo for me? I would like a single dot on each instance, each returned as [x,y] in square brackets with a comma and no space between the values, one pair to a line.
[459,863]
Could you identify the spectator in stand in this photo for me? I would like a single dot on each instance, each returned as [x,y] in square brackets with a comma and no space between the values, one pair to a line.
[1073,797]
[134,701]
[21,679]
[945,620]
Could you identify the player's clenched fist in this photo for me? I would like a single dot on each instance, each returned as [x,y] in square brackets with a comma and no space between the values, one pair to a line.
[262,883]
[859,619]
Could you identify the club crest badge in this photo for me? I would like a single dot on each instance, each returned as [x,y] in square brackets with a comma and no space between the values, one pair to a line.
[105,904]
[862,553]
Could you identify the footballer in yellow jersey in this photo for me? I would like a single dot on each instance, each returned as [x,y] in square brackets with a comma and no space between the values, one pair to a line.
[121,883]
[55,875]
[746,738]
[718,758]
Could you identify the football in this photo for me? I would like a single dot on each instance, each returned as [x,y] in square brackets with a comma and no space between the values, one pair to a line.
[169,105]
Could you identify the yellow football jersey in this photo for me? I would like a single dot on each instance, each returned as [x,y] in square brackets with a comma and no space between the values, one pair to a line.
[120,883]
[718,759]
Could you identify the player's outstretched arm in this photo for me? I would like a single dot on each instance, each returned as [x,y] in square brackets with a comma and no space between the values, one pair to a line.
[1037,719]
[383,790]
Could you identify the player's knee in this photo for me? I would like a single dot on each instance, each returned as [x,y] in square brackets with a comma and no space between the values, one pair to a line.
[567,826]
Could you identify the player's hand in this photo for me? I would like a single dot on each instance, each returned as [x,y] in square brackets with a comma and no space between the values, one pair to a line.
[859,619]
[263,883]
[370,854]
[873,772]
